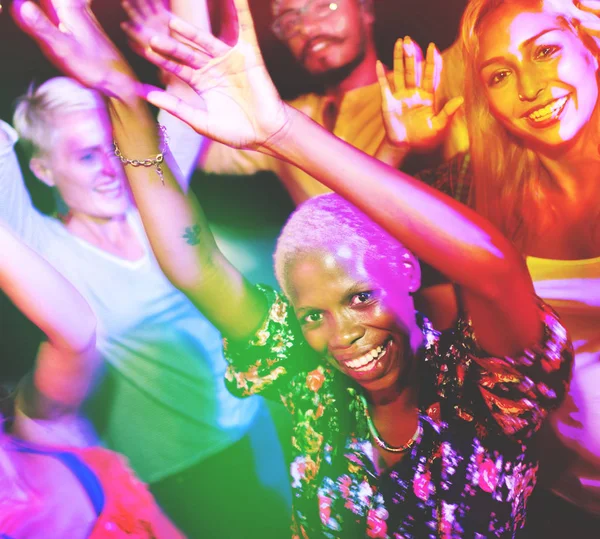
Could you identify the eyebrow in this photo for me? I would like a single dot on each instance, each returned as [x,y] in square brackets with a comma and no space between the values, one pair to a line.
[352,290]
[526,43]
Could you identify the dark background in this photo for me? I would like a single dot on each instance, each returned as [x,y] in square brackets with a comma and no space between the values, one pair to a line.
[246,208]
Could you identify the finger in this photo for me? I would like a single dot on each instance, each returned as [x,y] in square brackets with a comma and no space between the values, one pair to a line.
[137,40]
[175,106]
[168,65]
[412,63]
[442,119]
[419,61]
[439,66]
[73,16]
[247,32]
[132,13]
[588,13]
[154,6]
[34,22]
[399,82]
[141,7]
[384,85]
[200,38]
[429,71]
[180,52]
[592,6]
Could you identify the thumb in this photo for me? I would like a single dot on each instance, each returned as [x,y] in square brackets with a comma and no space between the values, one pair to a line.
[384,85]
[173,105]
[442,119]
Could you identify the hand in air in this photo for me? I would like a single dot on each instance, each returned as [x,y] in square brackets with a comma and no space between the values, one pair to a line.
[147,18]
[238,104]
[409,107]
[72,39]
[589,17]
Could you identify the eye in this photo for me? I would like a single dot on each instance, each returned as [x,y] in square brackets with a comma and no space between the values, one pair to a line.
[546,51]
[498,77]
[87,157]
[362,297]
[311,318]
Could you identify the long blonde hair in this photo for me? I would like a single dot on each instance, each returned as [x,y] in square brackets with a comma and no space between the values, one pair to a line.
[509,179]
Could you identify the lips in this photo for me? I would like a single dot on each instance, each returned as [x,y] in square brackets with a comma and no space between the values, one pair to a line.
[317,44]
[369,360]
[113,187]
[548,113]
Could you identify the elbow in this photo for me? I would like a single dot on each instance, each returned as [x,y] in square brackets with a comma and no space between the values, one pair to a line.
[194,274]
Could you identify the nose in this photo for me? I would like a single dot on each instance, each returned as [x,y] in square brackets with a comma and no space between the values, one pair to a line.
[110,163]
[530,86]
[346,331]
[308,26]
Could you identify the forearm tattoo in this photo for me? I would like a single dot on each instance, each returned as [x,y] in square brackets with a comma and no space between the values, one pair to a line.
[192,235]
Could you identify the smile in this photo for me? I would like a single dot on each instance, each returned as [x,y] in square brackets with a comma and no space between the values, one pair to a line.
[109,187]
[367,361]
[318,46]
[548,113]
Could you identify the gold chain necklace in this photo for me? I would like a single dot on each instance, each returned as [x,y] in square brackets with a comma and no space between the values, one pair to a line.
[380,441]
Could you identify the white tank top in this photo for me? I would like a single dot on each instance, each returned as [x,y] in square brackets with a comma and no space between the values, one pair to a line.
[572,287]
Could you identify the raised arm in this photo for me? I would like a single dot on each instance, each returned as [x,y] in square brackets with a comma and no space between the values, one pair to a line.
[16,208]
[151,17]
[66,363]
[174,222]
[496,289]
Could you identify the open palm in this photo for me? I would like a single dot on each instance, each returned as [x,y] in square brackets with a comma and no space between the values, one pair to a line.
[70,36]
[409,108]
[238,104]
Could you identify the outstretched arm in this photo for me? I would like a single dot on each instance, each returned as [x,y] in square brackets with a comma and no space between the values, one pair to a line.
[66,363]
[148,18]
[176,226]
[493,279]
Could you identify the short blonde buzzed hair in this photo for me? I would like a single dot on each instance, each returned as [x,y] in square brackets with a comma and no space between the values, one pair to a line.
[330,224]
[37,111]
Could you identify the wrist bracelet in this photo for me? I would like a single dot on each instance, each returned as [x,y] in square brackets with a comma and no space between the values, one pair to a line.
[153,162]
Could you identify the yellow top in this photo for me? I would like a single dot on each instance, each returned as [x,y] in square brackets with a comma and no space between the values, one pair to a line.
[359,122]
[572,287]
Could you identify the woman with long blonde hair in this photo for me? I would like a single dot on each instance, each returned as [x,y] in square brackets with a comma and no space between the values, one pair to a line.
[531,94]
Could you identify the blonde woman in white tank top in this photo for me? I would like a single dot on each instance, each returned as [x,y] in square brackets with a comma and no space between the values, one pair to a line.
[531,94]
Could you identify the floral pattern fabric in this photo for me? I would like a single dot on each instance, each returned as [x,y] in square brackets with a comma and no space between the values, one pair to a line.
[470,472]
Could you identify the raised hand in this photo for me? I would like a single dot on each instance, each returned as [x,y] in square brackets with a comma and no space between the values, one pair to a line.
[74,41]
[591,20]
[238,104]
[409,108]
[147,18]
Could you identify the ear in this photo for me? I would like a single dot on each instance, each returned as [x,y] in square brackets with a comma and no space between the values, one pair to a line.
[412,271]
[368,10]
[42,172]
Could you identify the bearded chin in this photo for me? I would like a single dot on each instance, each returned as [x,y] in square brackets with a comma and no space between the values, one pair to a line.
[334,77]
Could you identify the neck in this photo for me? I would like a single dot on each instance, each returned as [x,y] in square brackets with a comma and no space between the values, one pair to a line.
[112,230]
[363,74]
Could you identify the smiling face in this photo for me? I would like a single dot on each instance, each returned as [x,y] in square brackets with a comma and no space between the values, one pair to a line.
[82,166]
[344,319]
[539,77]
[328,35]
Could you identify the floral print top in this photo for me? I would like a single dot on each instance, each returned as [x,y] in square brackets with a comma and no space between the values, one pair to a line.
[470,472]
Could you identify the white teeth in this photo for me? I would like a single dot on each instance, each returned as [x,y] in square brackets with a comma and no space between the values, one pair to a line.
[109,186]
[359,363]
[318,46]
[549,111]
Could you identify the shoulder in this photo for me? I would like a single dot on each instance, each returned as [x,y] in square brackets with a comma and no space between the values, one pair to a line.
[308,104]
[8,137]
